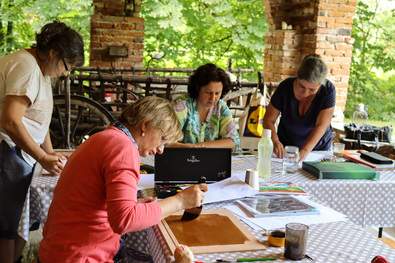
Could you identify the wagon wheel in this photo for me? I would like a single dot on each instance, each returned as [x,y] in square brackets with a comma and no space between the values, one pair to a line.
[86,118]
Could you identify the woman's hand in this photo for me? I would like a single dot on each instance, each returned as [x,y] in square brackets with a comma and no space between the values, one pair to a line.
[193,196]
[303,155]
[190,197]
[52,163]
[183,254]
[278,149]
[62,155]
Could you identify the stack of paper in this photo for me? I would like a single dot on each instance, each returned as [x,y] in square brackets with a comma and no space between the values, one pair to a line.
[267,206]
[326,215]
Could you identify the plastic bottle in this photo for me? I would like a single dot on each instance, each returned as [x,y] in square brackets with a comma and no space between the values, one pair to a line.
[265,150]
[360,116]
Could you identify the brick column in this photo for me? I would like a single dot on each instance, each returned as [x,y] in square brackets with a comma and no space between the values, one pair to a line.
[282,52]
[322,27]
[117,35]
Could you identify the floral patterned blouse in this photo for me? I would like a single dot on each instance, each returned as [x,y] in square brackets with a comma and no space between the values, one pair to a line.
[219,123]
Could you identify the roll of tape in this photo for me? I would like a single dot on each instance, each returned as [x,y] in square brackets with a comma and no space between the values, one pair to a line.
[276,238]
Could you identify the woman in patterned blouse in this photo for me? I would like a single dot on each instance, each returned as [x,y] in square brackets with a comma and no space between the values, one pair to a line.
[205,118]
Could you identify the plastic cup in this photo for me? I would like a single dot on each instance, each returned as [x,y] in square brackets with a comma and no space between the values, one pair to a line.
[252,178]
[338,150]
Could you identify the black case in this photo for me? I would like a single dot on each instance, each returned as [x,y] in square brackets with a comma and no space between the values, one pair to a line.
[375,158]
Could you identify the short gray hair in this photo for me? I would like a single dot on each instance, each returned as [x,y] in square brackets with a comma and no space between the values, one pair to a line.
[159,114]
[312,69]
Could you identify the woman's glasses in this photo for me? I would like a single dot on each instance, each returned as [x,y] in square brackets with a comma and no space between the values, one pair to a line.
[164,138]
[65,65]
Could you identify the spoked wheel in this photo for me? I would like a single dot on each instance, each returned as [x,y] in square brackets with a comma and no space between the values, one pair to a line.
[86,118]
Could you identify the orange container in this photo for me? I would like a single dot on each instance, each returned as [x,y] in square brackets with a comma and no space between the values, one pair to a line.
[276,238]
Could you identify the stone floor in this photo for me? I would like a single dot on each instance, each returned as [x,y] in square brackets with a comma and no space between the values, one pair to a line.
[388,236]
[387,232]
[30,251]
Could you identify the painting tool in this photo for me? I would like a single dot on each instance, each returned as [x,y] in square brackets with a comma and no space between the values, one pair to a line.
[192,213]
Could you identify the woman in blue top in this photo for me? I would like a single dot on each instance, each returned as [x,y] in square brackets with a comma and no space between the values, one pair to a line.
[205,118]
[306,104]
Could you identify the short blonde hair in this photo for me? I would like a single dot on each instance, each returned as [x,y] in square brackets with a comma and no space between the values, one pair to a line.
[157,112]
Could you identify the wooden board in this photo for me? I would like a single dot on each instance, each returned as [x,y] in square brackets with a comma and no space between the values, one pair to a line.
[213,231]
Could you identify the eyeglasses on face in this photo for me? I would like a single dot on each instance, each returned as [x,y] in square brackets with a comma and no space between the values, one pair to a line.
[164,138]
[65,65]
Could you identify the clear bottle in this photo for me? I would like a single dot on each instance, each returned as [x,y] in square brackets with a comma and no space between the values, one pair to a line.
[265,150]
[360,116]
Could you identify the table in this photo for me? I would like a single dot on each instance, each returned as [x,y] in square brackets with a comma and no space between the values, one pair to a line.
[330,242]
[367,203]
[38,200]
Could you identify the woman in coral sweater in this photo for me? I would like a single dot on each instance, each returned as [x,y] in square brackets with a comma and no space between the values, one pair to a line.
[95,200]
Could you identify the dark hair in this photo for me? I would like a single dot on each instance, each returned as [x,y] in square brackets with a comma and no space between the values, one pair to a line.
[64,40]
[203,75]
[312,69]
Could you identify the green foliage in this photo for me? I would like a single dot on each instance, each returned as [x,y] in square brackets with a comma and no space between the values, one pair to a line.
[26,17]
[193,32]
[15,29]
[373,61]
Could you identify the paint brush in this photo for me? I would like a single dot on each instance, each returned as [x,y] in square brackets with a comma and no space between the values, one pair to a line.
[192,213]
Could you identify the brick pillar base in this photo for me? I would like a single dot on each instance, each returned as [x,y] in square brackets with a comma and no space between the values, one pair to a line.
[116,31]
[117,34]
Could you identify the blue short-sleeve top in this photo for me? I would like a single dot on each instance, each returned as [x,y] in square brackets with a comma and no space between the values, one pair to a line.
[293,129]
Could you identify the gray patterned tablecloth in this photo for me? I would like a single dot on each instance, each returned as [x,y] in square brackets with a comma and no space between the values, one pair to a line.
[330,242]
[367,203]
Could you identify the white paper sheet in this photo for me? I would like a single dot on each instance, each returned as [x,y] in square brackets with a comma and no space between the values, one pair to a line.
[234,187]
[228,189]
[146,181]
[314,157]
[326,215]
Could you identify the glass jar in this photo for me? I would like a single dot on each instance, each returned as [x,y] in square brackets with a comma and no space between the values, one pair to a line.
[360,115]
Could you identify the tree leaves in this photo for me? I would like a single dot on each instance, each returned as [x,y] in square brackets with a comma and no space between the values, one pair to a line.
[196,32]
[27,17]
[373,59]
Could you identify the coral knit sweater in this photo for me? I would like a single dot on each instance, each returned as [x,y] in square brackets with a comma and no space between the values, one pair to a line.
[95,201]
